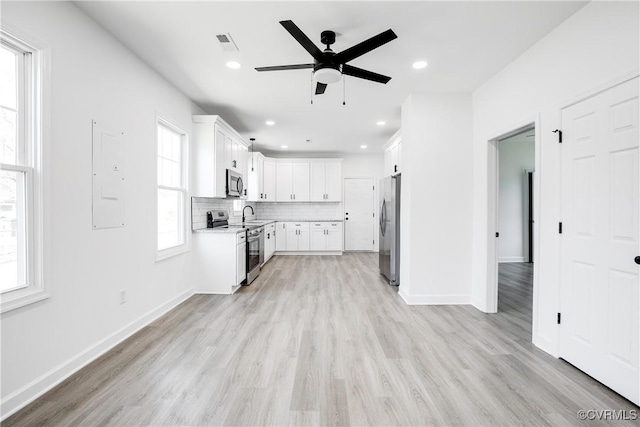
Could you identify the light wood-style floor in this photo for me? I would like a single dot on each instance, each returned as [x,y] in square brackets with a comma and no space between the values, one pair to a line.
[325,341]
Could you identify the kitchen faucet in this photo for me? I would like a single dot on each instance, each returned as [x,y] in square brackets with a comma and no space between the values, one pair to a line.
[248,206]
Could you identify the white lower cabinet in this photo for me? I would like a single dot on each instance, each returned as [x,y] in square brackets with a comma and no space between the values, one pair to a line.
[220,264]
[297,236]
[308,236]
[281,236]
[241,262]
[326,236]
[269,241]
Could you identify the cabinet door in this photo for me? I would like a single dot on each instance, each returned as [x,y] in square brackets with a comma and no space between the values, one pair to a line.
[318,239]
[281,236]
[241,157]
[228,151]
[258,167]
[393,159]
[253,179]
[269,244]
[318,182]
[334,182]
[269,181]
[304,239]
[241,262]
[387,162]
[292,239]
[284,183]
[301,182]
[334,236]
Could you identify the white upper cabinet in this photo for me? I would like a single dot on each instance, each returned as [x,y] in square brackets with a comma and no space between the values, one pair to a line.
[326,182]
[217,147]
[301,182]
[292,182]
[269,181]
[393,155]
[284,182]
[255,180]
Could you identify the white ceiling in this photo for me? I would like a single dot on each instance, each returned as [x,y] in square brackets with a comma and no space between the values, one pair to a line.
[465,43]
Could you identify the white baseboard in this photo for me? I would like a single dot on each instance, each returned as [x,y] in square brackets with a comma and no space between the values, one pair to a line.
[36,388]
[512,259]
[435,299]
[309,253]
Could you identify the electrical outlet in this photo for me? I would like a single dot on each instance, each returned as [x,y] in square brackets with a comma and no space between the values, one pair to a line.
[123,296]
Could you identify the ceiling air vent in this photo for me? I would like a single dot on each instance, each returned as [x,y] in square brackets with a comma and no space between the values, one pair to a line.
[227,43]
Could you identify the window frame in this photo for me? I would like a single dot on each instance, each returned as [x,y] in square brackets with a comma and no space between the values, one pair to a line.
[162,254]
[33,82]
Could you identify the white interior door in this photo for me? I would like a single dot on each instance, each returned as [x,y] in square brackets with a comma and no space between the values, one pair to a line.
[599,276]
[358,214]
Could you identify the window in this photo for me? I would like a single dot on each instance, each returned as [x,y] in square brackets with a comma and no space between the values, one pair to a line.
[21,81]
[172,190]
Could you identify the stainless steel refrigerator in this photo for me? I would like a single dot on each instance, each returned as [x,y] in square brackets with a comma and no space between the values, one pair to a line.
[389,217]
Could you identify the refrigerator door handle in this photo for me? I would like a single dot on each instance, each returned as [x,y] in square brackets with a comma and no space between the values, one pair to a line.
[383,218]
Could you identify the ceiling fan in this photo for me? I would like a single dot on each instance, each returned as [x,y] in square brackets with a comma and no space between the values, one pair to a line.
[328,66]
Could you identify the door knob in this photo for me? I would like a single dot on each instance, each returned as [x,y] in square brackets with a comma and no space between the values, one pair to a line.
[637,259]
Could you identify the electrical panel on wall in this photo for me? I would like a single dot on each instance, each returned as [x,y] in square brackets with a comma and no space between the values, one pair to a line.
[108,177]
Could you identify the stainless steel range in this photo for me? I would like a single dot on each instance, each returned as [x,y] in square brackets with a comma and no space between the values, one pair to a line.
[255,252]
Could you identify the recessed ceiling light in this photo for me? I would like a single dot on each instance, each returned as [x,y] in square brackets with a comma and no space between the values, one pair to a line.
[233,65]
[363,146]
[284,146]
[269,123]
[418,65]
[381,123]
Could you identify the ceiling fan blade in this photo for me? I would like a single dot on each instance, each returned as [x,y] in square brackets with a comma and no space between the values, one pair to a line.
[320,88]
[303,40]
[365,46]
[285,67]
[364,74]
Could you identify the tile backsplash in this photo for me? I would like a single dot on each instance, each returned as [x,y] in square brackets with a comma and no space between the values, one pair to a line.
[200,206]
[299,211]
[281,211]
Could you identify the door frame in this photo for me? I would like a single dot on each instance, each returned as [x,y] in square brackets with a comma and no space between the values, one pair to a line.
[375,204]
[493,191]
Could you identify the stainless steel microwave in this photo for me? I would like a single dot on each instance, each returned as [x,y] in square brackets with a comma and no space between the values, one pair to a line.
[235,186]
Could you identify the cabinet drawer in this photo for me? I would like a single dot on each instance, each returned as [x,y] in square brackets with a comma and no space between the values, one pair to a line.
[241,237]
[333,225]
[318,224]
[297,225]
[270,227]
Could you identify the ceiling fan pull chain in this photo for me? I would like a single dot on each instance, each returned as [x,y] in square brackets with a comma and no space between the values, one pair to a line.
[312,88]
[344,90]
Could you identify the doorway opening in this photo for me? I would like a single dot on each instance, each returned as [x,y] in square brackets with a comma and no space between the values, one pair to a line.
[512,238]
[516,164]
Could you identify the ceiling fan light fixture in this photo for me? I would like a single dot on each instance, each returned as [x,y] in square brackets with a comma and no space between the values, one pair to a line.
[233,65]
[328,75]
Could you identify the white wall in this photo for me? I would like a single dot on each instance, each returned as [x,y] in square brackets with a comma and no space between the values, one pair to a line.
[590,50]
[92,77]
[515,157]
[435,254]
